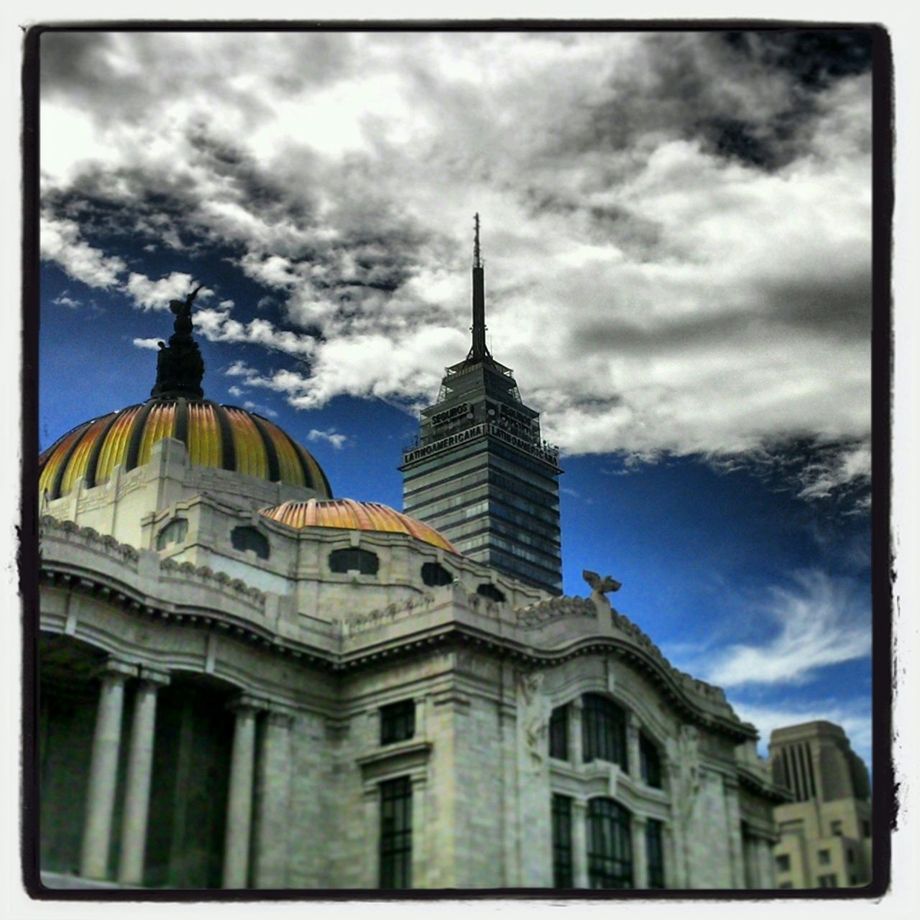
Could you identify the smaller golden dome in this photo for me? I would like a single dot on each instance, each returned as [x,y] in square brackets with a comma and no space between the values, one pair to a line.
[347,514]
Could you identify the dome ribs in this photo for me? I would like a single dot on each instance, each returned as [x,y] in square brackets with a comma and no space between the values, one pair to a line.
[274,473]
[92,464]
[137,432]
[227,447]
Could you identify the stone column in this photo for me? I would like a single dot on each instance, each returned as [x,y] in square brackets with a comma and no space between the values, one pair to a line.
[579,843]
[137,787]
[419,852]
[639,860]
[271,852]
[371,800]
[670,858]
[575,739]
[103,774]
[733,820]
[239,800]
[767,876]
[632,747]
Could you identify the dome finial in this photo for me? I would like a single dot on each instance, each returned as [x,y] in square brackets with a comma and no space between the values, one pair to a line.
[180,366]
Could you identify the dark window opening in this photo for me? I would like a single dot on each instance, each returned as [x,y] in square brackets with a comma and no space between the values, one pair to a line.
[824,857]
[837,828]
[866,829]
[827,881]
[782,863]
[609,845]
[174,532]
[562,842]
[654,853]
[397,721]
[354,559]
[491,592]
[396,833]
[559,733]
[434,575]
[649,762]
[246,538]
[603,726]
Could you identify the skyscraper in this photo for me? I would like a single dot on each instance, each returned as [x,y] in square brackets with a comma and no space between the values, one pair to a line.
[480,472]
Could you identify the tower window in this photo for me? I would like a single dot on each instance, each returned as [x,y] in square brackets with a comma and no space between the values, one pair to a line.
[609,845]
[353,559]
[782,863]
[559,733]
[827,881]
[174,532]
[435,575]
[248,538]
[397,721]
[654,853]
[649,762]
[396,833]
[491,592]
[603,731]
[562,842]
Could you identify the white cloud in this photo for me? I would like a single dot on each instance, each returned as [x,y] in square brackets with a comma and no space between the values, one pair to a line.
[820,621]
[152,344]
[331,436]
[842,469]
[156,295]
[61,243]
[653,293]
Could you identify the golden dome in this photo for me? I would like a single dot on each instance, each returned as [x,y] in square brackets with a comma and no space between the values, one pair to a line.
[222,437]
[347,514]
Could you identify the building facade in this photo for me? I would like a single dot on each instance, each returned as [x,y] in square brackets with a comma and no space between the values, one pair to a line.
[826,831]
[244,682]
[481,472]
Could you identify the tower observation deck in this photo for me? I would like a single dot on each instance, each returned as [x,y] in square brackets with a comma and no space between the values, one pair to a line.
[480,472]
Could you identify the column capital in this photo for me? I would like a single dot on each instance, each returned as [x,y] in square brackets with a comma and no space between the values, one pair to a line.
[280,716]
[117,670]
[156,676]
[246,702]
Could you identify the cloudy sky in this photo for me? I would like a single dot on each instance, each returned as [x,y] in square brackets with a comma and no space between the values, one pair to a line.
[676,229]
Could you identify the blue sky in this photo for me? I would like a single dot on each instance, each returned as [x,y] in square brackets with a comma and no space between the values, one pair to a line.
[677,241]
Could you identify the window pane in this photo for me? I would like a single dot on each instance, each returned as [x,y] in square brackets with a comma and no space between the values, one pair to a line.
[396,833]
[650,762]
[562,841]
[603,731]
[397,721]
[559,733]
[654,853]
[609,846]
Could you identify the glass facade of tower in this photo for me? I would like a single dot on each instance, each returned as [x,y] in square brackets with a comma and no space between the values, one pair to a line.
[482,475]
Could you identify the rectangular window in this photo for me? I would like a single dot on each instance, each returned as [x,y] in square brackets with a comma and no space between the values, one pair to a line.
[603,731]
[609,845]
[837,828]
[396,833]
[562,842]
[785,884]
[649,762]
[824,857]
[397,721]
[827,881]
[850,856]
[782,863]
[559,733]
[866,829]
[654,853]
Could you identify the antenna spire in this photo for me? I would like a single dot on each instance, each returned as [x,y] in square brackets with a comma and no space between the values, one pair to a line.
[479,351]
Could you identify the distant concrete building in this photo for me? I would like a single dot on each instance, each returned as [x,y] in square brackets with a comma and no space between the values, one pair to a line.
[825,833]
[481,472]
[244,682]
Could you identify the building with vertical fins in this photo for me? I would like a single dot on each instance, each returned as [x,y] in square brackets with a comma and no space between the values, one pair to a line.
[480,471]
[826,831]
[244,683]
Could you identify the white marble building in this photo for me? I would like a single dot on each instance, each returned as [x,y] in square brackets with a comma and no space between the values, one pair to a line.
[247,683]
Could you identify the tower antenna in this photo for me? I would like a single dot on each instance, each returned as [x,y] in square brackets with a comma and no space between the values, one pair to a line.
[479,351]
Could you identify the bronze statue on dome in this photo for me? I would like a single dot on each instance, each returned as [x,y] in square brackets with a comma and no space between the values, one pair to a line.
[180,366]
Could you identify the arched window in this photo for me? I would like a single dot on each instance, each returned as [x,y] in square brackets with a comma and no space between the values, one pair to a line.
[245,538]
[354,559]
[491,592]
[173,532]
[434,575]
[649,761]
[603,729]
[609,845]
